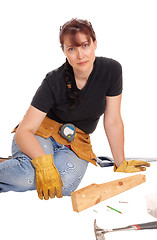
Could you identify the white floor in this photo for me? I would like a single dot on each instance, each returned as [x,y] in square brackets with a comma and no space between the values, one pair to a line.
[24,216]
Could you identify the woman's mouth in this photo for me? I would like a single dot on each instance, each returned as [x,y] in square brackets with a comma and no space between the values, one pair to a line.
[82,63]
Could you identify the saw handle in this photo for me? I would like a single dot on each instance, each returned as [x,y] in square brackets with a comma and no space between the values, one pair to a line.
[149,225]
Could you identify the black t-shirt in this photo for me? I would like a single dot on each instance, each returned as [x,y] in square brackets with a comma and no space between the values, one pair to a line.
[104,80]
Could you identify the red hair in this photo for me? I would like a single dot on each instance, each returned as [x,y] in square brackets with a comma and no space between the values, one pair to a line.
[74,26]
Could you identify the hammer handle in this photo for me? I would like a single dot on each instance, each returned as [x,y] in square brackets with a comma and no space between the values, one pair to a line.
[149,225]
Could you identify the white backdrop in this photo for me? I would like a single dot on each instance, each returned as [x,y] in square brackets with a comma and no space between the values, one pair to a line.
[29,48]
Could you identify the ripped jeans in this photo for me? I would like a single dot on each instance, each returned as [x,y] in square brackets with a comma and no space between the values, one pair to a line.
[18,174]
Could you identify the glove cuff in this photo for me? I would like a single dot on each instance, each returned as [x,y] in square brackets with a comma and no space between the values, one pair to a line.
[44,161]
[121,167]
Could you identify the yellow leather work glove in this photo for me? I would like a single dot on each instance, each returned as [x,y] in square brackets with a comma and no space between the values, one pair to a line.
[48,179]
[131,166]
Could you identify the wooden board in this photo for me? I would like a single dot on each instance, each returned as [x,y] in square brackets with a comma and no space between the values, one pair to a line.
[96,193]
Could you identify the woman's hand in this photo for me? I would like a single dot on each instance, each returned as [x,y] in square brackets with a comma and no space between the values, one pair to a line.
[131,166]
[48,179]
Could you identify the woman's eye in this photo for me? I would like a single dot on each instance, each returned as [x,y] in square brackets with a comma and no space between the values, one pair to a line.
[85,45]
[71,49]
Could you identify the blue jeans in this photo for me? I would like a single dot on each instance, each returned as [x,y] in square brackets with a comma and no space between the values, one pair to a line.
[18,173]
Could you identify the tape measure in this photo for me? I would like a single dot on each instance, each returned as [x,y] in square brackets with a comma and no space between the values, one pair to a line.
[68,131]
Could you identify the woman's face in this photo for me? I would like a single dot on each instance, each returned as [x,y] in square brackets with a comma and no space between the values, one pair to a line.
[81,57]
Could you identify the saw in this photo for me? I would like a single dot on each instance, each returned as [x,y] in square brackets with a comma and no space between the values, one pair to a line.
[107,161]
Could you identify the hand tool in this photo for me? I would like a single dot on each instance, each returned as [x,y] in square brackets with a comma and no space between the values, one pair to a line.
[107,161]
[99,232]
[68,131]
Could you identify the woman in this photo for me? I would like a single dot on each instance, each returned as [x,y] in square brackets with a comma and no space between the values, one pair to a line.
[50,156]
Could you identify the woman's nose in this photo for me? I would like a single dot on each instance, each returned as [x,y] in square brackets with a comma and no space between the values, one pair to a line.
[80,53]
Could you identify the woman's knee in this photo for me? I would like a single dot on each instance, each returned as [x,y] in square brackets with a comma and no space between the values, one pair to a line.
[72,173]
[70,186]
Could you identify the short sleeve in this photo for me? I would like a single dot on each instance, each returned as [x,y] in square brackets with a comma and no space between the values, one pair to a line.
[116,81]
[44,98]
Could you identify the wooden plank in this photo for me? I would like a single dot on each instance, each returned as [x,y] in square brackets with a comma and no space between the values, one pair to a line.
[96,193]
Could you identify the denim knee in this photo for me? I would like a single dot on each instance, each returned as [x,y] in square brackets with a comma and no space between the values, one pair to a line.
[71,177]
[69,187]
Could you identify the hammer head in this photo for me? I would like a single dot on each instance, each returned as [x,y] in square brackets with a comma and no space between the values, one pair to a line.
[98,234]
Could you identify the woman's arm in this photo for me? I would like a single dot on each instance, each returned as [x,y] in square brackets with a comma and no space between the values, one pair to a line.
[114,128]
[48,179]
[25,134]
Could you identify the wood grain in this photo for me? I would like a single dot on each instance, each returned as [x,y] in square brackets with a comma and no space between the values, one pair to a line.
[96,193]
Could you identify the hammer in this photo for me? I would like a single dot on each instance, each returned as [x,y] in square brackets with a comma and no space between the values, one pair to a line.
[99,232]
